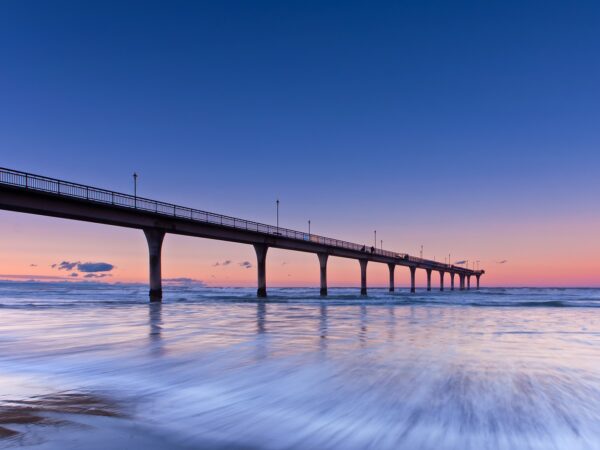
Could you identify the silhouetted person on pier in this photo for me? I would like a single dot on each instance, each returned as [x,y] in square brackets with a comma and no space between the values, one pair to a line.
[372,249]
[363,249]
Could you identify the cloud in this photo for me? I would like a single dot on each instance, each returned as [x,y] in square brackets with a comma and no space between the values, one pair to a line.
[88,267]
[95,275]
[246,264]
[504,261]
[85,267]
[74,274]
[183,281]
[67,265]
[224,263]
[32,265]
[461,262]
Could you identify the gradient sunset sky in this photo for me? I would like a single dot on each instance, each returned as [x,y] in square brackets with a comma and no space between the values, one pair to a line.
[471,128]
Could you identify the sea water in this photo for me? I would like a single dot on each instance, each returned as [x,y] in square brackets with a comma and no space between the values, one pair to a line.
[99,367]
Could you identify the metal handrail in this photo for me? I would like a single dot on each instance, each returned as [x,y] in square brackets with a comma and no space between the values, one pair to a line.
[97,195]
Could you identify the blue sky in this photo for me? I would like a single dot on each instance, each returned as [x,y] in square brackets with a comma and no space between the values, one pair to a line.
[398,116]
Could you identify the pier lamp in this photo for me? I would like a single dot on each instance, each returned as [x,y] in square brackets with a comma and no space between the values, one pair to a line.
[135,177]
[277,202]
[308,227]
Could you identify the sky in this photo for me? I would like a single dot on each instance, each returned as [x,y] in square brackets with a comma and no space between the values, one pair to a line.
[470,128]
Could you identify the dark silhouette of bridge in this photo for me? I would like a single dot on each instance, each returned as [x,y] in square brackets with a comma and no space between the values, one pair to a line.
[35,194]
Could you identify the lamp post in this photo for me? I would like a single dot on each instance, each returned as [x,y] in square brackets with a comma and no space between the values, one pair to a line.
[381,246]
[421,251]
[375,241]
[277,202]
[135,177]
[309,228]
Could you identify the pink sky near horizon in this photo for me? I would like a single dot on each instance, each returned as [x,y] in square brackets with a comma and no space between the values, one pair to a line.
[562,252]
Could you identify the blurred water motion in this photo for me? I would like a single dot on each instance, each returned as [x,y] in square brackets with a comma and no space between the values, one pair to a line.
[212,368]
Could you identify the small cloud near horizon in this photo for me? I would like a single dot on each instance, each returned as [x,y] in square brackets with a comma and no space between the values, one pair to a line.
[224,263]
[504,261]
[461,262]
[84,267]
[246,264]
[184,281]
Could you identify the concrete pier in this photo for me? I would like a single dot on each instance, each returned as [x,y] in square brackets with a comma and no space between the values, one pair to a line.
[323,268]
[468,281]
[363,276]
[392,268]
[155,237]
[34,194]
[261,266]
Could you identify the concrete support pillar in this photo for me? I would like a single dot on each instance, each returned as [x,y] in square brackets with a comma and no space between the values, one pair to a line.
[461,277]
[428,279]
[478,276]
[413,270]
[451,281]
[261,265]
[323,265]
[154,237]
[441,280]
[392,268]
[468,281]
[363,276]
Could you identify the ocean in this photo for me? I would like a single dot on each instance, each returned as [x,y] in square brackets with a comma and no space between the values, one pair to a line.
[96,366]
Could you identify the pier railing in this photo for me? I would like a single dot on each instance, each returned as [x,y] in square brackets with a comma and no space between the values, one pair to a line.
[96,195]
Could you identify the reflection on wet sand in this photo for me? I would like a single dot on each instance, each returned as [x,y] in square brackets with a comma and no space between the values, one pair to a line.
[155,322]
[36,410]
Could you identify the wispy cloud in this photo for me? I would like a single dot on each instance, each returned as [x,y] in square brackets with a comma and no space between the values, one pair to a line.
[224,263]
[461,262]
[66,265]
[504,261]
[96,275]
[32,265]
[184,281]
[246,264]
[74,274]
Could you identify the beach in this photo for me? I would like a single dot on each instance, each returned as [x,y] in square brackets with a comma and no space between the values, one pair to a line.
[97,366]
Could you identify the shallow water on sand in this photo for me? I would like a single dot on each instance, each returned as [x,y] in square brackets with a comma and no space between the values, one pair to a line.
[212,368]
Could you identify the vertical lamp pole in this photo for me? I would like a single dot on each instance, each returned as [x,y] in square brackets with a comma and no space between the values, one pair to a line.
[135,176]
[375,242]
[421,251]
[309,228]
[381,245]
[277,202]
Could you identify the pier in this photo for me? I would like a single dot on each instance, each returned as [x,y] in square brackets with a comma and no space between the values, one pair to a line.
[35,194]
